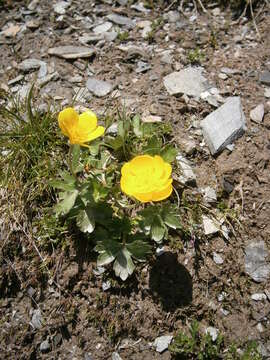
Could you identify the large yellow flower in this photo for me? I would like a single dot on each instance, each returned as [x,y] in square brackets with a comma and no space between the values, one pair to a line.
[79,128]
[147,178]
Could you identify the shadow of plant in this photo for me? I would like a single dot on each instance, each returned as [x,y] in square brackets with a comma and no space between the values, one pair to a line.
[170,282]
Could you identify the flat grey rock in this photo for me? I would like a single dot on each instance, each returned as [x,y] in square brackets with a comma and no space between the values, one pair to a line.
[224,125]
[255,263]
[36,320]
[209,195]
[60,7]
[121,20]
[257,114]
[210,226]
[44,346]
[116,356]
[187,176]
[172,16]
[71,52]
[265,77]
[258,297]
[188,81]
[162,343]
[140,8]
[217,258]
[99,88]
[33,64]
[142,67]
[102,28]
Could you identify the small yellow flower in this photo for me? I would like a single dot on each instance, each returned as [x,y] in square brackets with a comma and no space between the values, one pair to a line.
[79,128]
[147,178]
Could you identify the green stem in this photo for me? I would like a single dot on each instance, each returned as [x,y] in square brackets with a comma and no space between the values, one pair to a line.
[70,161]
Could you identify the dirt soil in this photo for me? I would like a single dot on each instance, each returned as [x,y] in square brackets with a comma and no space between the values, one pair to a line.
[79,319]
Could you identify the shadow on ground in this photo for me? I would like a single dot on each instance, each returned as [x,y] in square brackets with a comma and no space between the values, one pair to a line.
[170,282]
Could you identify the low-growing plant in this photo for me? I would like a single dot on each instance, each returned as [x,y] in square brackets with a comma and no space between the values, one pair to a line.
[117,188]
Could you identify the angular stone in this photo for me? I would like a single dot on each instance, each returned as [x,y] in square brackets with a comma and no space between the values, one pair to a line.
[142,67]
[188,81]
[44,346]
[217,258]
[255,264]
[60,7]
[209,195]
[258,297]
[121,20]
[213,332]
[99,88]
[162,343]
[116,356]
[187,176]
[265,77]
[257,114]
[172,16]
[224,125]
[102,28]
[210,226]
[71,52]
[36,320]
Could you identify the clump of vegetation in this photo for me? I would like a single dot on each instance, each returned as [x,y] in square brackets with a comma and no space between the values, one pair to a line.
[202,347]
[195,56]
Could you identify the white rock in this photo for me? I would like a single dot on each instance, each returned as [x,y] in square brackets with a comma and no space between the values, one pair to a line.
[210,195]
[162,343]
[151,119]
[36,320]
[267,93]
[223,76]
[210,226]
[60,7]
[44,346]
[217,258]
[102,28]
[187,174]
[257,114]
[213,332]
[255,261]
[71,52]
[121,20]
[116,356]
[224,125]
[106,285]
[258,297]
[188,81]
[99,88]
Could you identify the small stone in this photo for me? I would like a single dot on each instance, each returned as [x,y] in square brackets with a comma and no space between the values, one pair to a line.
[60,7]
[213,332]
[255,263]
[210,226]
[167,57]
[142,67]
[172,16]
[224,312]
[36,320]
[11,31]
[260,327]
[46,79]
[210,195]
[229,71]
[258,297]
[187,145]
[30,64]
[102,28]
[223,76]
[99,88]
[57,339]
[188,81]
[216,11]
[151,119]
[100,269]
[87,357]
[71,52]
[146,27]
[32,24]
[224,125]
[32,5]
[116,356]
[265,77]
[160,250]
[121,20]
[267,293]
[217,258]
[187,176]
[110,35]
[257,114]
[44,346]
[267,93]
[162,343]
[113,129]
[140,8]
[106,285]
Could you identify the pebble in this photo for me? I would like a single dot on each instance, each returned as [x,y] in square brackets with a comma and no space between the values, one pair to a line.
[116,356]
[71,52]
[142,67]
[146,27]
[121,20]
[223,76]
[188,81]
[187,176]
[166,57]
[172,16]
[44,346]
[99,88]
[258,297]
[229,71]
[255,261]
[151,119]
[140,8]
[210,195]
[33,64]
[106,285]
[102,28]
[224,125]
[60,7]
[217,258]
[32,5]
[162,343]
[209,225]
[11,31]
[36,320]
[16,80]
[213,332]
[265,77]
[267,93]
[257,114]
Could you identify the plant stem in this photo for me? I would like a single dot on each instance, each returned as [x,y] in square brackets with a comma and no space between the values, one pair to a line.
[70,161]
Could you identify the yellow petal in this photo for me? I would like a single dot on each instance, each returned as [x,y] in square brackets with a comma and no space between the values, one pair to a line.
[144,197]
[87,121]
[162,194]
[141,164]
[67,120]
[125,170]
[126,185]
[95,134]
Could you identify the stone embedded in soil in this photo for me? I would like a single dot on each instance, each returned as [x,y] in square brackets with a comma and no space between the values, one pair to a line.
[142,67]
[258,297]
[60,7]
[71,52]
[44,346]
[228,71]
[36,320]
[224,125]
[267,93]
[210,226]
[99,88]
[209,195]
[102,28]
[265,77]
[187,176]
[34,64]
[140,8]
[116,356]
[11,31]
[255,263]
[213,332]
[217,258]
[162,343]
[172,16]
[121,20]
[257,114]
[188,81]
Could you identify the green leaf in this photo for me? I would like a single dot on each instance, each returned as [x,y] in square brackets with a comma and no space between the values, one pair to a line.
[172,220]
[137,128]
[58,184]
[69,179]
[168,153]
[76,166]
[99,191]
[94,147]
[85,220]
[123,265]
[121,130]
[157,230]
[67,201]
[153,146]
[109,246]
[104,259]
[139,249]
[116,143]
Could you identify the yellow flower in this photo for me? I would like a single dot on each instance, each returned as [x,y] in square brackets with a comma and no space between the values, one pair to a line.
[79,128]
[147,178]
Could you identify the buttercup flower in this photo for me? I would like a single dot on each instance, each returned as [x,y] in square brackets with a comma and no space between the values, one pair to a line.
[147,178]
[79,128]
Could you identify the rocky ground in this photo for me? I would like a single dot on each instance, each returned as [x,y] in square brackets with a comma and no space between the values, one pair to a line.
[171,64]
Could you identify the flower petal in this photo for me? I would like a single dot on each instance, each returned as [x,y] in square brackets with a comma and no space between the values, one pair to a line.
[144,197]
[95,134]
[67,120]
[162,194]
[87,121]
